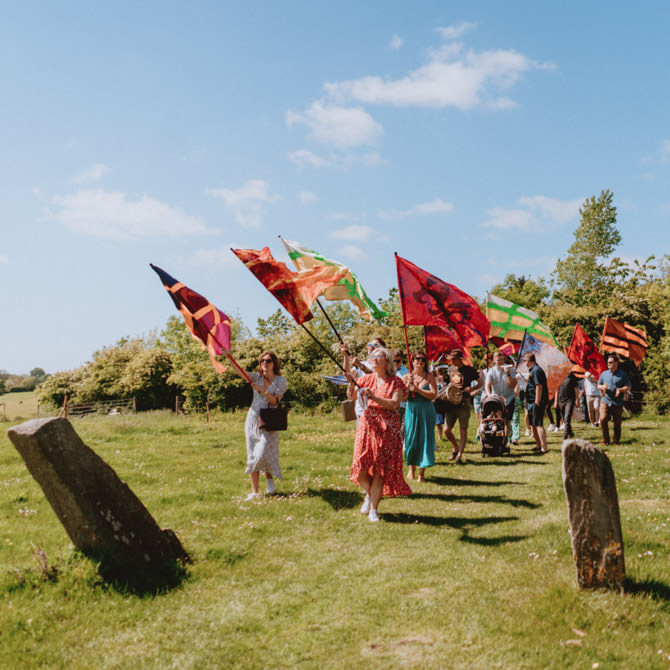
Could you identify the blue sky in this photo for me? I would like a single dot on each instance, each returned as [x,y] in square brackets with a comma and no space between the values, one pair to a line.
[464,136]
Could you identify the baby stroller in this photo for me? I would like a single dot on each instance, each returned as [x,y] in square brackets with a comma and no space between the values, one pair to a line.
[492,427]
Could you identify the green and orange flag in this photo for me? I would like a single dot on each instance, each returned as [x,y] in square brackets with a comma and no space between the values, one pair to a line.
[296,291]
[510,321]
[347,288]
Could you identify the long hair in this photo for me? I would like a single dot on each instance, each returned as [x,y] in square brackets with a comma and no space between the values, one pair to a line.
[419,352]
[275,360]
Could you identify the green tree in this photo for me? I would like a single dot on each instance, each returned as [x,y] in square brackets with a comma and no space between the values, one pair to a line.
[522,290]
[585,276]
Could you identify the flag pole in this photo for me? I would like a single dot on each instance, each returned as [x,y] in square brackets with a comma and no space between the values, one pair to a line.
[328,353]
[332,325]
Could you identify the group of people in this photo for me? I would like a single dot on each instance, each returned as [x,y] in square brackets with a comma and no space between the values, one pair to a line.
[396,412]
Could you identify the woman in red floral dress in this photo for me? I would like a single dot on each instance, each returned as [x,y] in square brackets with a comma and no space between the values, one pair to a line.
[377,466]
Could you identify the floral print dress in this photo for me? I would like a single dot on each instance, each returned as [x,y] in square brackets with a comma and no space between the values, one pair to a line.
[263,445]
[378,444]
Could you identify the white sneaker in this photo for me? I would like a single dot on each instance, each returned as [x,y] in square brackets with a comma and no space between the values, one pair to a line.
[365,507]
[252,496]
[557,429]
[271,486]
[527,432]
[373,516]
[551,428]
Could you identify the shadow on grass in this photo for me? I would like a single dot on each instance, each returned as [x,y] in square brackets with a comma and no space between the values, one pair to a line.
[459,523]
[448,481]
[648,587]
[506,463]
[337,499]
[514,502]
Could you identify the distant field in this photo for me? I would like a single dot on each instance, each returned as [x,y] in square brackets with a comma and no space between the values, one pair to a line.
[18,406]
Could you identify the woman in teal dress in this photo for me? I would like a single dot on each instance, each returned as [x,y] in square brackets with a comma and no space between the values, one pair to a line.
[420,416]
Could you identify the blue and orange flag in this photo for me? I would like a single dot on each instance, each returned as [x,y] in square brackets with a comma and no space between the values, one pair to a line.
[208,325]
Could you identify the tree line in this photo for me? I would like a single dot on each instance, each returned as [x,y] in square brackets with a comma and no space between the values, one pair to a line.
[587,284]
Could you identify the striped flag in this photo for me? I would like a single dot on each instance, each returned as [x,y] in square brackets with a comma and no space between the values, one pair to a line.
[207,324]
[510,321]
[348,288]
[620,338]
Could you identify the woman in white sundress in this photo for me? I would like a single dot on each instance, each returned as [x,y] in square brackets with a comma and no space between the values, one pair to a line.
[263,445]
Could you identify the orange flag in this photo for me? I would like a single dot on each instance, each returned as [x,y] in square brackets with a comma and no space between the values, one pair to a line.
[624,339]
[296,291]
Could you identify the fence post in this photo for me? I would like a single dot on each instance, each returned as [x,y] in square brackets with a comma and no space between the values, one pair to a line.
[134,406]
[208,416]
[65,401]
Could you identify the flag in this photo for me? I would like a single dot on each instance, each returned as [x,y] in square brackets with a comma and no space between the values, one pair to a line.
[583,352]
[440,341]
[296,291]
[339,380]
[507,348]
[428,301]
[348,288]
[623,339]
[553,361]
[207,324]
[510,321]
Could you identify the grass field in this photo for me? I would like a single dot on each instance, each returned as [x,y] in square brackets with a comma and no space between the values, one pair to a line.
[18,406]
[472,571]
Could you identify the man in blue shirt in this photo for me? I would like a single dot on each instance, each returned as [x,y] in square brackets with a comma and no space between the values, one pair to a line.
[537,399]
[614,383]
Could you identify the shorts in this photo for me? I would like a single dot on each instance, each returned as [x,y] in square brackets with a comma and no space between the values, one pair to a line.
[536,414]
[460,412]
[509,409]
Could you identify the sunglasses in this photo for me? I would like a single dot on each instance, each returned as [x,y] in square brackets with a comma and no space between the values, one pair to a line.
[373,345]
[397,360]
[419,358]
[266,360]
[378,357]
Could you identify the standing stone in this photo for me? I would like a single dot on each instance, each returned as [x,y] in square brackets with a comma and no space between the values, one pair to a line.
[593,508]
[103,517]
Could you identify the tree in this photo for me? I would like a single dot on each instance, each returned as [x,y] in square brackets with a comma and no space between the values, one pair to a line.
[584,277]
[38,373]
[522,290]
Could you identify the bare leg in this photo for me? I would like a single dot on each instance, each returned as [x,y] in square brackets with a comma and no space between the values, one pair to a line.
[364,481]
[254,476]
[421,474]
[540,436]
[410,474]
[376,491]
[449,434]
[463,441]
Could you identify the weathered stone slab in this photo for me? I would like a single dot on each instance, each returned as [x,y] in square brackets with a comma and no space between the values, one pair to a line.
[102,516]
[593,509]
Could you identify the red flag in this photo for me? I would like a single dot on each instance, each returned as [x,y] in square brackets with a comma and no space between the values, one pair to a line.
[508,348]
[623,339]
[207,324]
[428,301]
[296,291]
[583,352]
[440,341]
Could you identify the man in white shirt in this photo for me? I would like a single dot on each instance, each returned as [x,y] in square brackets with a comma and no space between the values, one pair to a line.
[501,381]
[592,393]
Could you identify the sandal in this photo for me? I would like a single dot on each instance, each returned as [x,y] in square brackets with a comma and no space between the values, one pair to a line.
[454,454]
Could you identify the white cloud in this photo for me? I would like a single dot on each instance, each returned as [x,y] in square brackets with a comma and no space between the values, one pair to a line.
[307,197]
[113,215]
[454,32]
[93,173]
[304,157]
[216,258]
[344,216]
[437,206]
[4,259]
[451,79]
[247,203]
[353,233]
[506,219]
[540,211]
[353,252]
[396,42]
[341,127]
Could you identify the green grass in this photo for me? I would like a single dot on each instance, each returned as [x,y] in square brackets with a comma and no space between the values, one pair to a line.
[19,406]
[473,571]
